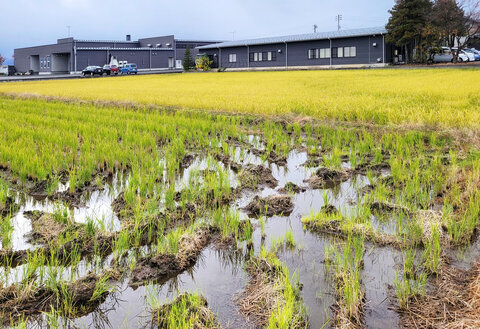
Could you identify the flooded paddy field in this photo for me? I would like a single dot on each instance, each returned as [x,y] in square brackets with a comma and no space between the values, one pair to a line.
[115,217]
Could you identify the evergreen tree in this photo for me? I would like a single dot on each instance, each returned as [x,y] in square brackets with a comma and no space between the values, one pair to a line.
[407,21]
[188,61]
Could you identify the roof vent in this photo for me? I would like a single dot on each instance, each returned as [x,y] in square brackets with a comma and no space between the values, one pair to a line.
[149,45]
[168,45]
[158,45]
[129,37]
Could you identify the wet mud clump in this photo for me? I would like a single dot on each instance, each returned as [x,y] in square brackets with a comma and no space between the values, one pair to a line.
[45,227]
[253,176]
[291,188]
[39,190]
[329,210]
[119,207]
[272,157]
[8,207]
[227,162]
[187,161]
[187,309]
[388,207]
[160,268]
[83,297]
[274,205]
[327,178]
[264,295]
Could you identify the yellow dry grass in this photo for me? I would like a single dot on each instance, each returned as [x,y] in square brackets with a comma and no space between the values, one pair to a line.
[432,97]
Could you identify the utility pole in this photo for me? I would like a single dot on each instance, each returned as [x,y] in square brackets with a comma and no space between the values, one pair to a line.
[338,18]
[68,28]
[233,35]
[315,27]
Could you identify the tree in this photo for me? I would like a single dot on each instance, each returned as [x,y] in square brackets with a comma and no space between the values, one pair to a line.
[188,62]
[204,63]
[448,17]
[406,23]
[2,59]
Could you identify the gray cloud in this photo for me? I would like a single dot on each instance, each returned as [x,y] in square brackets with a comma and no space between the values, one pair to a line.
[35,22]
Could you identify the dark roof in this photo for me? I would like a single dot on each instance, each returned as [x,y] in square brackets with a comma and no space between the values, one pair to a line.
[300,37]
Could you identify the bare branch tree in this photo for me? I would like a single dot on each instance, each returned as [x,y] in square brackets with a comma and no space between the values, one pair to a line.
[471,21]
[2,59]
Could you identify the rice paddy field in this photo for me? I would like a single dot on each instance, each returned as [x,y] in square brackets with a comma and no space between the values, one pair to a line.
[319,199]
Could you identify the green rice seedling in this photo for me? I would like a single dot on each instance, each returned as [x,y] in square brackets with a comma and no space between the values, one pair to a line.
[152,292]
[326,198]
[21,323]
[52,184]
[6,231]
[347,264]
[102,287]
[432,252]
[353,158]
[289,240]
[90,227]
[121,243]
[261,220]
[60,213]
[65,300]
[73,180]
[99,182]
[185,312]
[54,319]
[248,235]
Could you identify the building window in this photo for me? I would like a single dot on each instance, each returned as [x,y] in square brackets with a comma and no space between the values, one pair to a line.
[48,62]
[319,53]
[266,56]
[232,58]
[349,51]
[337,52]
[325,53]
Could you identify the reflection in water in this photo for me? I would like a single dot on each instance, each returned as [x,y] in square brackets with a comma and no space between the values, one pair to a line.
[219,274]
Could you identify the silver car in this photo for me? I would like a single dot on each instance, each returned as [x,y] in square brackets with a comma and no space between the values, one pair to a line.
[445,56]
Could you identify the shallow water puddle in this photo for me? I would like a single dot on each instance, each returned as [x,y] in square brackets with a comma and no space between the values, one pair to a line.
[307,261]
[98,207]
[380,265]
[217,276]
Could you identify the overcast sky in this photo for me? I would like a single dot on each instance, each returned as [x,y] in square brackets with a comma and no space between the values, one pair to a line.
[34,22]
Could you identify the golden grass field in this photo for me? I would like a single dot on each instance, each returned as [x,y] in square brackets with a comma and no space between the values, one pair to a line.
[433,97]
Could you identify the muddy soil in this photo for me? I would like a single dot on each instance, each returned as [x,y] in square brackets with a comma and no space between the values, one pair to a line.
[325,178]
[235,167]
[271,157]
[388,207]
[275,205]
[254,176]
[17,302]
[291,188]
[162,267]
[9,207]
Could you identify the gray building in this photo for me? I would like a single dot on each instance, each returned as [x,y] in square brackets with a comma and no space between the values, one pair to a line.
[72,55]
[354,48]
